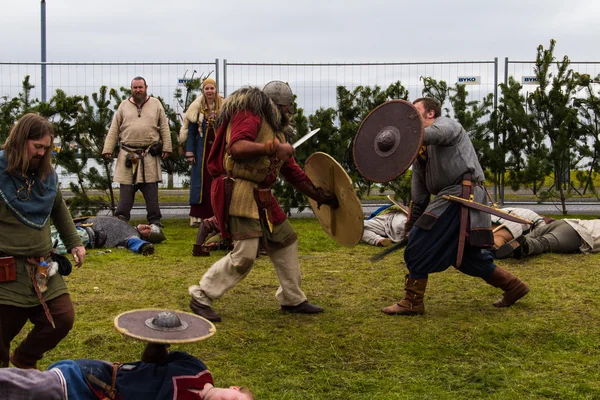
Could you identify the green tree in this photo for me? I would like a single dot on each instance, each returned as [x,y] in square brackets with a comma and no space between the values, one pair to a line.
[11,109]
[521,141]
[589,113]
[551,104]
[92,125]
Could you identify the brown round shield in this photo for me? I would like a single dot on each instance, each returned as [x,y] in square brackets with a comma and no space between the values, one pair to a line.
[164,326]
[345,224]
[388,141]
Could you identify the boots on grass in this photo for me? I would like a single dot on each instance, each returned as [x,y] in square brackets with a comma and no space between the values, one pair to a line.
[204,311]
[207,226]
[513,287]
[412,304]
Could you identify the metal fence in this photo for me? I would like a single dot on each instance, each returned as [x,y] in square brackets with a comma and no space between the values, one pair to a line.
[524,73]
[82,78]
[314,84]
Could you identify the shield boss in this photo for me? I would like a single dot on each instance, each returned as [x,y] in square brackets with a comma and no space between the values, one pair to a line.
[345,224]
[388,141]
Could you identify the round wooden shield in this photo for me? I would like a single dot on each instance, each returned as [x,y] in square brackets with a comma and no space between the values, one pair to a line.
[388,141]
[164,326]
[345,224]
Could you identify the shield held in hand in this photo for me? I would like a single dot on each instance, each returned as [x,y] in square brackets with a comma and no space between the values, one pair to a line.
[388,141]
[345,224]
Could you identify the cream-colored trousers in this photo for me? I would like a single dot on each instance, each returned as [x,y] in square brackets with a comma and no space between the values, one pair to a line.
[231,269]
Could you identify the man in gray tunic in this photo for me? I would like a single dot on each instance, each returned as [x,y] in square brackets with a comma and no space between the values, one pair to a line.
[448,165]
[111,232]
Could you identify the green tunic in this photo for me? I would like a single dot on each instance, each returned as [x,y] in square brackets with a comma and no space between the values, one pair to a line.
[22,241]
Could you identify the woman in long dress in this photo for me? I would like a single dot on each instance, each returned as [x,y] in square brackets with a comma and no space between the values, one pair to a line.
[198,134]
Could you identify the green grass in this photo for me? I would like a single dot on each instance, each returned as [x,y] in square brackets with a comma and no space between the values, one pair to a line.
[545,347]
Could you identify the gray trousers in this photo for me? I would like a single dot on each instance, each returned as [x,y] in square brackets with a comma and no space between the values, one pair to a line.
[556,237]
[127,197]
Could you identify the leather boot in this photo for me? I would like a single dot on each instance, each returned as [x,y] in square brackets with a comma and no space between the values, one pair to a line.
[412,303]
[513,287]
[204,311]
[207,226]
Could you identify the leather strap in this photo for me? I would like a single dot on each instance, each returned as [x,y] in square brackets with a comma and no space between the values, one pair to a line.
[467,192]
[113,383]
[32,269]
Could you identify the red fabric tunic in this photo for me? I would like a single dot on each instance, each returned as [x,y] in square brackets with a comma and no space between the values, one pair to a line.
[245,125]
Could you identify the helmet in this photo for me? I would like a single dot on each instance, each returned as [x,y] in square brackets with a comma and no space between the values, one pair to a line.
[156,234]
[280,92]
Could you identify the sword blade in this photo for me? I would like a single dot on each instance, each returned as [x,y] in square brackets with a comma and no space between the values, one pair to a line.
[487,209]
[400,206]
[305,137]
[390,250]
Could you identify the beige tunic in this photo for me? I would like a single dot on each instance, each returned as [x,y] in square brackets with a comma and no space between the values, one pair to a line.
[589,230]
[138,128]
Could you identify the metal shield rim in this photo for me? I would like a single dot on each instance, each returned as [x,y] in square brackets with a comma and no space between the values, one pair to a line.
[412,158]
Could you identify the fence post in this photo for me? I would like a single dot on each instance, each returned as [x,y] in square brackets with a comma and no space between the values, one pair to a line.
[503,135]
[496,180]
[43,61]
[217,74]
[224,77]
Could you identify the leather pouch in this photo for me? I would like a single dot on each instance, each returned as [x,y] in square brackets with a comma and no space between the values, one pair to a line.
[8,269]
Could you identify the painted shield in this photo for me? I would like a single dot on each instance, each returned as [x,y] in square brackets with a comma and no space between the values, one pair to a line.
[164,326]
[388,141]
[345,224]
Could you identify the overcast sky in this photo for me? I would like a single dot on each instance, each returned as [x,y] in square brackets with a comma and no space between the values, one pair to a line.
[299,31]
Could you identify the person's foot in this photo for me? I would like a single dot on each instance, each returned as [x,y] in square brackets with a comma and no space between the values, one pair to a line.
[204,311]
[387,242]
[157,223]
[303,308]
[199,250]
[147,249]
[195,222]
[506,250]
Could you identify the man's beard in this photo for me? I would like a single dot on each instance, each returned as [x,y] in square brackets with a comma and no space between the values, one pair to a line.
[285,117]
[139,98]
[34,164]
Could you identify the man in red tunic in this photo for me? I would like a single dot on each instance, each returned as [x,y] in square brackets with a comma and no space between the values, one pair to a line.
[250,149]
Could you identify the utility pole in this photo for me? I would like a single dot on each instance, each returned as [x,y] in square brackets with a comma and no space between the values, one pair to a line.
[43,61]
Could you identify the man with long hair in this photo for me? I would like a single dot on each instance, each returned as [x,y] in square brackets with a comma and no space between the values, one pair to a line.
[29,290]
[250,150]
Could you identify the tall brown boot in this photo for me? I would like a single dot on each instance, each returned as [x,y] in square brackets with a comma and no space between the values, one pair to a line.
[207,226]
[412,303]
[513,287]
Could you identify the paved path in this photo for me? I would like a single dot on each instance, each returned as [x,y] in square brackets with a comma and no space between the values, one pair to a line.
[178,210]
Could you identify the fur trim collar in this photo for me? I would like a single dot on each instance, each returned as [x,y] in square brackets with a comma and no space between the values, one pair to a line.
[252,99]
[194,110]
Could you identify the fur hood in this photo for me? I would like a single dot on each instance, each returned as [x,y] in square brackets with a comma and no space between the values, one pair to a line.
[252,99]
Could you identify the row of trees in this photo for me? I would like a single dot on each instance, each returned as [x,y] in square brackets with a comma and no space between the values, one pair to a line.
[549,132]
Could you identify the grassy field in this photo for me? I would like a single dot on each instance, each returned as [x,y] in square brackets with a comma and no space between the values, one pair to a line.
[545,346]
